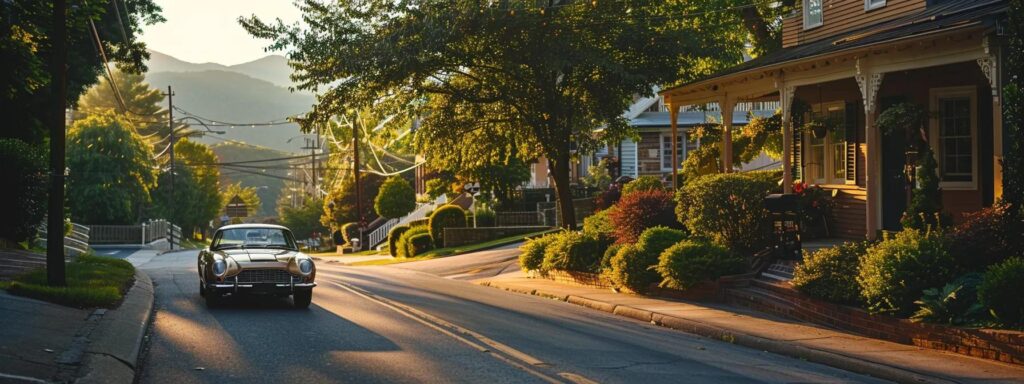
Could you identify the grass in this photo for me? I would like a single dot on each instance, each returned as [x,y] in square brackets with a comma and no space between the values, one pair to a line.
[452,251]
[92,281]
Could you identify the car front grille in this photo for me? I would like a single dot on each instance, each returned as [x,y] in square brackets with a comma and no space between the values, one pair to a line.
[264,276]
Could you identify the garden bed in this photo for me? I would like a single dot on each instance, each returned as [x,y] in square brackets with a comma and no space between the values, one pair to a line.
[92,281]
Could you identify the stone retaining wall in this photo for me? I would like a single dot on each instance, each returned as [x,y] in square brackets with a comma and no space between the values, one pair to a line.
[454,237]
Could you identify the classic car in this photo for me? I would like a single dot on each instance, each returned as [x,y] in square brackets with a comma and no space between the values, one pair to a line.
[260,259]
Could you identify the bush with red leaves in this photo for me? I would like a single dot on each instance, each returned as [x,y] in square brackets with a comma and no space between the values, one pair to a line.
[640,210]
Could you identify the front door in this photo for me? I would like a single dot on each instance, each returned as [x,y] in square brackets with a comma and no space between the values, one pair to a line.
[894,182]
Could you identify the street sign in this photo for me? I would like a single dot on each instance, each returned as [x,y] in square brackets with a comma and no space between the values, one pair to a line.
[237,207]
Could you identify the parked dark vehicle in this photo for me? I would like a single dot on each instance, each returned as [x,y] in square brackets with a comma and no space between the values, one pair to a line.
[259,259]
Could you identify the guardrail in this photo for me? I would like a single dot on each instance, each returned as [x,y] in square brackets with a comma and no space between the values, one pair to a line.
[142,234]
[75,243]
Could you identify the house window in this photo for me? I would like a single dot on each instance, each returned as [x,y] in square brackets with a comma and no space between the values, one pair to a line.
[812,13]
[873,4]
[666,151]
[826,155]
[953,133]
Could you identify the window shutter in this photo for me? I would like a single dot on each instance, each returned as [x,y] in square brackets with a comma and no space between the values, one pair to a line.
[853,113]
[797,156]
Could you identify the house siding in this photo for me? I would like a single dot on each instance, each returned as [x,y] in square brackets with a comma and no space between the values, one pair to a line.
[628,158]
[841,16]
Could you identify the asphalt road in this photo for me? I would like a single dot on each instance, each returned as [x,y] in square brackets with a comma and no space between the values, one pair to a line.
[400,324]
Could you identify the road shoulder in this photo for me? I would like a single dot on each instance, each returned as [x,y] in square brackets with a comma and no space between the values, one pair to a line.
[113,351]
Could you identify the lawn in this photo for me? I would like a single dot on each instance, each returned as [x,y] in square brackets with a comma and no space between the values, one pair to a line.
[93,281]
[452,251]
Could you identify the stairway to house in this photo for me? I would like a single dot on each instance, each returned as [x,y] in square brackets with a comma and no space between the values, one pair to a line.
[379,234]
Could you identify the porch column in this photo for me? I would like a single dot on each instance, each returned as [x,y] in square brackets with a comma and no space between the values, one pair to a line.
[869,83]
[786,93]
[673,115]
[989,67]
[726,105]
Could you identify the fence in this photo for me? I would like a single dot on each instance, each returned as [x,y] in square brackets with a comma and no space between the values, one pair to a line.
[75,243]
[518,219]
[142,234]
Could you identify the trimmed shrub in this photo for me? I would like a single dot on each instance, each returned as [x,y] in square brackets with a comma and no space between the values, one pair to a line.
[643,183]
[982,239]
[895,272]
[393,236]
[633,266]
[419,243]
[954,303]
[24,192]
[402,245]
[531,254]
[641,210]
[609,253]
[599,225]
[395,198]
[485,217]
[447,216]
[1000,292]
[350,231]
[689,262]
[830,274]
[572,251]
[727,208]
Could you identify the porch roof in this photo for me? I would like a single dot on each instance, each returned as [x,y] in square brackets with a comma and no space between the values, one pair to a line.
[953,15]
[689,118]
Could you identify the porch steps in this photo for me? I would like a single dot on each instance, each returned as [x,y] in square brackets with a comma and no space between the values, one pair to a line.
[778,271]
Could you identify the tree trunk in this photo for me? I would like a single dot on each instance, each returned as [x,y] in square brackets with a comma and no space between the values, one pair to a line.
[560,173]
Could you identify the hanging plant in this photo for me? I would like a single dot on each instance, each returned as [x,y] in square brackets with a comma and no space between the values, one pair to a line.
[817,127]
[900,118]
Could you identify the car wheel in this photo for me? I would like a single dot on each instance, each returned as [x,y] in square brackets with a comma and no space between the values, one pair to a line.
[302,298]
[213,299]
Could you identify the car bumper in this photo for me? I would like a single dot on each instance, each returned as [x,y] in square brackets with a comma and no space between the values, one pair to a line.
[232,287]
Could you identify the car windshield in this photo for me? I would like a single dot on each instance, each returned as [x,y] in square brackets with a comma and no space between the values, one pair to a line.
[253,238]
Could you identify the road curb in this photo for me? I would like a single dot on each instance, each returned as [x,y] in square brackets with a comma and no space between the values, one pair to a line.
[115,345]
[831,359]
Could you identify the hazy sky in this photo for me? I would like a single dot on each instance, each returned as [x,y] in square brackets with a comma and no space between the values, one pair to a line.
[202,31]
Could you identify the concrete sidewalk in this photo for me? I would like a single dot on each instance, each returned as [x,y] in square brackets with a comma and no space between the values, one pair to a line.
[886,360]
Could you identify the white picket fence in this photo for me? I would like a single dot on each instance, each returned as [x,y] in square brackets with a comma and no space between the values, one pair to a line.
[380,234]
[141,234]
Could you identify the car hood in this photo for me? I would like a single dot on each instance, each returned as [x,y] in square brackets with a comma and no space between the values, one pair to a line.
[255,255]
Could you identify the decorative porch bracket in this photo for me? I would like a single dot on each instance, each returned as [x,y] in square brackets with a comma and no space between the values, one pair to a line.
[869,83]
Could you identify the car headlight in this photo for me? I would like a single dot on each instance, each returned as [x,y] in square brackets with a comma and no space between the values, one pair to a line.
[219,267]
[306,266]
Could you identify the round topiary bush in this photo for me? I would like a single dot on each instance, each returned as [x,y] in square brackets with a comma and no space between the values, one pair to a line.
[632,266]
[830,274]
[641,210]
[531,254]
[727,208]
[894,273]
[1000,291]
[572,251]
[393,236]
[643,183]
[418,244]
[448,216]
[395,198]
[350,231]
[24,192]
[689,262]
[402,246]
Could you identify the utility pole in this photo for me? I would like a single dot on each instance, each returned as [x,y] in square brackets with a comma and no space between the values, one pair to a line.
[316,131]
[170,124]
[58,84]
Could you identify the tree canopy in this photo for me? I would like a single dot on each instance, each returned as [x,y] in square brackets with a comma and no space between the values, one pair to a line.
[488,79]
[395,198]
[142,102]
[194,199]
[111,171]
[248,195]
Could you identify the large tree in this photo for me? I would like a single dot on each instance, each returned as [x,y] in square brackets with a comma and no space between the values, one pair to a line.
[194,198]
[110,171]
[491,76]
[25,50]
[141,102]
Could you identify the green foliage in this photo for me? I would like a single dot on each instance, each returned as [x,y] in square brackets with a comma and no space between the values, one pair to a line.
[438,187]
[248,194]
[643,183]
[194,198]
[925,208]
[393,236]
[395,198]
[1000,292]
[689,262]
[639,211]
[895,271]
[402,246]
[599,225]
[520,97]
[954,303]
[138,97]
[531,255]
[447,216]
[727,208]
[815,209]
[760,134]
[609,253]
[899,119]
[418,244]
[598,175]
[350,231]
[1013,118]
[92,281]
[228,152]
[572,251]
[633,267]
[304,219]
[24,194]
[985,238]
[25,49]
[343,198]
[111,171]
[485,217]
[830,274]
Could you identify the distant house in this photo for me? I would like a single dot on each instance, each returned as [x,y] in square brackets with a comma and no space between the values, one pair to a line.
[848,60]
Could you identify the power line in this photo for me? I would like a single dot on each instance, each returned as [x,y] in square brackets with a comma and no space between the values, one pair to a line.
[213,122]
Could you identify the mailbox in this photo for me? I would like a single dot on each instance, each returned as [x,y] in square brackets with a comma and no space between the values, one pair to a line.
[784,212]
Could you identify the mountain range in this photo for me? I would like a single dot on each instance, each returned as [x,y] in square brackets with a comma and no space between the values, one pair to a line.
[251,92]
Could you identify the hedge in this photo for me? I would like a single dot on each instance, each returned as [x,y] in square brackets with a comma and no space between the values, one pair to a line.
[689,262]
[831,273]
[727,208]
[418,244]
[447,216]
[639,211]
[894,273]
[643,183]
[531,254]
[402,245]
[572,251]
[393,236]
[632,265]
